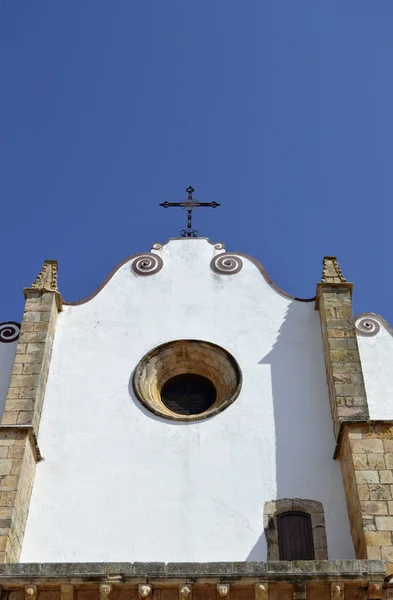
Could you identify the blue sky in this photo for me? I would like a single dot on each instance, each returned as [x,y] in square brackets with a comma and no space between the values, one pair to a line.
[281,110]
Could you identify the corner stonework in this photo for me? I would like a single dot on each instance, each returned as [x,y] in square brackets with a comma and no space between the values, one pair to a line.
[363,447]
[366,456]
[347,392]
[19,450]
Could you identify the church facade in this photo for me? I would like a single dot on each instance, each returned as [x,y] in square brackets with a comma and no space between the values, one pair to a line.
[190,429]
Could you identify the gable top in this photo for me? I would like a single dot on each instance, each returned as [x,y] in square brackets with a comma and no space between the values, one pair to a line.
[221,263]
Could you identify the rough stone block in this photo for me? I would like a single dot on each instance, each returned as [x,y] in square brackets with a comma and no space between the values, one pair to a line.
[376,461]
[386,476]
[374,508]
[384,523]
[368,523]
[34,348]
[9,483]
[31,316]
[360,461]
[34,337]
[380,492]
[387,553]
[364,492]
[27,392]
[5,466]
[389,460]
[24,418]
[367,476]
[7,498]
[368,445]
[32,368]
[374,552]
[378,538]
[9,417]
[24,380]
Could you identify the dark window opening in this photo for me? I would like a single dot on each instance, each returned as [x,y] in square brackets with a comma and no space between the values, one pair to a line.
[295,539]
[188,394]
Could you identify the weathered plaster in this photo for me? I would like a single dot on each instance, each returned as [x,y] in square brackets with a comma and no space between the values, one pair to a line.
[118,483]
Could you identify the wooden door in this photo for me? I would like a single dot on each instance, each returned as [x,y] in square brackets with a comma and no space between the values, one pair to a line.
[295,536]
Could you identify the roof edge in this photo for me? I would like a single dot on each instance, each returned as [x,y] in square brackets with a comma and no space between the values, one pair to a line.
[106,280]
[217,245]
[270,281]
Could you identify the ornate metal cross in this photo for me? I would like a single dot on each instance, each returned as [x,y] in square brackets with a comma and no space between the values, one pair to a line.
[189,204]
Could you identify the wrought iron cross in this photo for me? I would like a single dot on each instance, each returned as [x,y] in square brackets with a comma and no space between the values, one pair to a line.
[189,204]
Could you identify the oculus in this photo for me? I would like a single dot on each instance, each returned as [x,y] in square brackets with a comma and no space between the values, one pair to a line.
[187,380]
[188,394]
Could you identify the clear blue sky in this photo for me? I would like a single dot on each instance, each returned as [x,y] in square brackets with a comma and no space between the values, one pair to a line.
[281,110]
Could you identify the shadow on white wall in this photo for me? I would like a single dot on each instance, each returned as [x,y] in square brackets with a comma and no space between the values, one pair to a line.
[303,426]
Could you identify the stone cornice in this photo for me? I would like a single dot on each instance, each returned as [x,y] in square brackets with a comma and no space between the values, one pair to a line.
[31,435]
[370,570]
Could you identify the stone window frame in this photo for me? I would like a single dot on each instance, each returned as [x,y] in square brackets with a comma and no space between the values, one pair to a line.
[182,356]
[312,507]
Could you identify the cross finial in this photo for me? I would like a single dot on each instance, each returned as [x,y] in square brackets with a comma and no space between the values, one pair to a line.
[189,204]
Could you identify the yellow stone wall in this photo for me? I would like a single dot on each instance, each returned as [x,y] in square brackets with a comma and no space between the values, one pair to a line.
[19,451]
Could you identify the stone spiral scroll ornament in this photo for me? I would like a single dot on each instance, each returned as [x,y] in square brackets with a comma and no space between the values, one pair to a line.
[9,332]
[367,326]
[147,264]
[226,264]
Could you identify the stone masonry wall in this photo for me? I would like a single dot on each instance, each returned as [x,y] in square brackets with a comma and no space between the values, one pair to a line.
[20,422]
[364,448]
[367,452]
[28,380]
[343,366]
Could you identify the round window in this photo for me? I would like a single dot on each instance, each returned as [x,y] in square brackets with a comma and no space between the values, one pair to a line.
[188,394]
[187,380]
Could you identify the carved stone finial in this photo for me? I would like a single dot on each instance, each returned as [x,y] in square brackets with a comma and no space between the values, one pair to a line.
[331,272]
[261,591]
[332,277]
[184,591]
[336,592]
[46,281]
[30,592]
[47,277]
[144,590]
[375,591]
[223,590]
[105,590]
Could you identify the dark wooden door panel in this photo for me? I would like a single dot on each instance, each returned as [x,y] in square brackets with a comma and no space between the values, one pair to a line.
[295,536]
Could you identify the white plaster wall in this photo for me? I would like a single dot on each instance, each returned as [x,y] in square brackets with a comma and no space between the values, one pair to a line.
[376,354]
[120,484]
[7,357]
